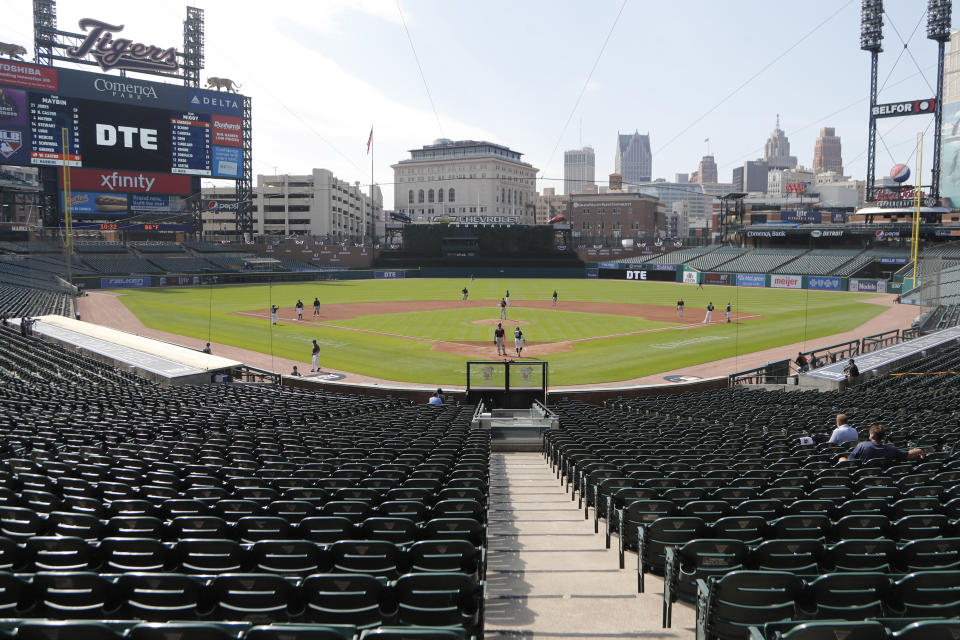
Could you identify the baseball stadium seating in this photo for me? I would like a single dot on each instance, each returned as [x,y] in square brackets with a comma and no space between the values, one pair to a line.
[760,260]
[715,259]
[236,510]
[717,494]
[181,264]
[819,262]
[156,246]
[120,264]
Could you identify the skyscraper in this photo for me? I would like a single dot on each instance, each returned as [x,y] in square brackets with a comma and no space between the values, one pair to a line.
[633,160]
[579,166]
[826,152]
[776,152]
[707,171]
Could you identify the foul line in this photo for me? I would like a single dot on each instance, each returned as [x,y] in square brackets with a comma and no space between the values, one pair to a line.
[673,327]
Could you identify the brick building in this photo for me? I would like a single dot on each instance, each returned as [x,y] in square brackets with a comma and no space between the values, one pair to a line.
[606,218]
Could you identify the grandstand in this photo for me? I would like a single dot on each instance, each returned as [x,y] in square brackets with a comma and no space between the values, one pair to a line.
[120,264]
[716,258]
[819,262]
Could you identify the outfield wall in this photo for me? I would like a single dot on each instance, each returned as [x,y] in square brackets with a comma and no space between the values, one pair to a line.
[689,275]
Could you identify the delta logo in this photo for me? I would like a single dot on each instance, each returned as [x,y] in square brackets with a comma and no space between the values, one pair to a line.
[10,142]
[211,102]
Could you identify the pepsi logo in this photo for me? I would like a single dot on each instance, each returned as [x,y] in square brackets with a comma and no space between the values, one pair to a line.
[900,173]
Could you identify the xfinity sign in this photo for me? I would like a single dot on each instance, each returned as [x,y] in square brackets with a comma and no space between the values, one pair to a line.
[908,108]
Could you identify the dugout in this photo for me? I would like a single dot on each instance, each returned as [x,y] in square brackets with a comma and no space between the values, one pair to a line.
[506,384]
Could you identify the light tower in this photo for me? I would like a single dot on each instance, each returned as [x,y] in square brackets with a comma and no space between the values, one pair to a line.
[938,28]
[871,39]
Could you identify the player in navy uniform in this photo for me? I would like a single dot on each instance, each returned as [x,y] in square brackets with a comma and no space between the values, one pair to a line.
[680,308]
[315,359]
[503,309]
[465,293]
[498,336]
[316,306]
[709,317]
[554,297]
[728,313]
[518,340]
[299,309]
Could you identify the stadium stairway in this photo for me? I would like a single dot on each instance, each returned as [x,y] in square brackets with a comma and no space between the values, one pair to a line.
[549,576]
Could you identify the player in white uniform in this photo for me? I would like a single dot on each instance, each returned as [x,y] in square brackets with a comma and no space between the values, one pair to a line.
[518,340]
[709,317]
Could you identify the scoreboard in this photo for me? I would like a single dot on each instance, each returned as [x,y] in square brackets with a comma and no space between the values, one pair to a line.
[117,123]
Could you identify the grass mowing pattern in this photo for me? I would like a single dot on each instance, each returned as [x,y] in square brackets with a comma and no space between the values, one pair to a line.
[789,316]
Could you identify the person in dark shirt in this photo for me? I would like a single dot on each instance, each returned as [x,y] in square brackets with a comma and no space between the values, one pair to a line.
[851,370]
[206,349]
[874,448]
[801,362]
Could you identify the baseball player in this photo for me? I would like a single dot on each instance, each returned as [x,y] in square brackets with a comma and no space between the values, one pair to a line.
[503,308]
[518,340]
[299,309]
[507,297]
[709,317]
[315,361]
[728,313]
[316,306]
[554,297]
[680,308]
[465,294]
[498,335]
[273,313]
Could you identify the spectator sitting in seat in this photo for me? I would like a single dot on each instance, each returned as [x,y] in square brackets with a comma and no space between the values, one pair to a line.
[435,398]
[843,432]
[206,349]
[295,373]
[801,362]
[874,448]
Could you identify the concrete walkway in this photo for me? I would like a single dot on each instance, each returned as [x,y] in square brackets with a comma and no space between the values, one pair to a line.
[549,576]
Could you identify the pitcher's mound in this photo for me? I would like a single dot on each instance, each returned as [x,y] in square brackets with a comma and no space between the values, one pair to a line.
[492,322]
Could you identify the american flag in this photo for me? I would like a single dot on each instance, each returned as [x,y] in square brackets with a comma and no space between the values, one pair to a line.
[369,139]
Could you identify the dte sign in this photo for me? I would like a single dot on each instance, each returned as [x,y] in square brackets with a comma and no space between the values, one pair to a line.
[108,136]
[636,275]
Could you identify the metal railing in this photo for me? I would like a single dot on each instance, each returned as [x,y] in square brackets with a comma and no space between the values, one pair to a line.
[771,373]
[880,340]
[246,373]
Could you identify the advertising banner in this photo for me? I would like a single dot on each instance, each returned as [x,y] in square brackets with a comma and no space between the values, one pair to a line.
[122,182]
[805,217]
[608,265]
[147,202]
[690,277]
[227,131]
[125,283]
[591,272]
[389,275]
[638,275]
[868,285]
[751,280]
[786,282]
[894,261]
[825,283]
[227,162]
[93,203]
[716,278]
[838,217]
[24,74]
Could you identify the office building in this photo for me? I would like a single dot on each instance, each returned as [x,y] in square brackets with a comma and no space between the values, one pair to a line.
[776,152]
[606,218]
[317,204]
[706,172]
[549,205]
[751,177]
[827,154]
[465,181]
[634,160]
[579,166]
[778,179]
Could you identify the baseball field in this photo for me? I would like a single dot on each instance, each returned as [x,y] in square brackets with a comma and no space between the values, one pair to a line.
[419,330]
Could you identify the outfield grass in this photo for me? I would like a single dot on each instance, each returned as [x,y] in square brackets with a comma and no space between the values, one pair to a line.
[789,316]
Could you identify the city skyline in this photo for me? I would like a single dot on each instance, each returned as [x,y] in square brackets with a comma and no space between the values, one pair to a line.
[334,68]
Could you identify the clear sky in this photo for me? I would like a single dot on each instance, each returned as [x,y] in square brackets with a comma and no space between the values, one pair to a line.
[321,72]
